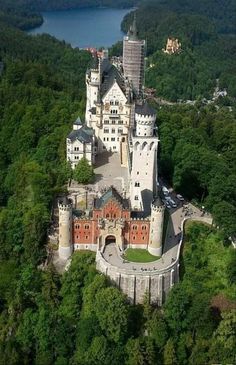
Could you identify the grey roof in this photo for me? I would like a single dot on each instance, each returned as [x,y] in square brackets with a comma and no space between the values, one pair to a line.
[64,200]
[144,109]
[84,135]
[93,110]
[95,62]
[157,202]
[111,193]
[78,121]
[109,77]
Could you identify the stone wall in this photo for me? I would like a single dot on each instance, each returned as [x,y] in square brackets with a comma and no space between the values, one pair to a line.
[136,284]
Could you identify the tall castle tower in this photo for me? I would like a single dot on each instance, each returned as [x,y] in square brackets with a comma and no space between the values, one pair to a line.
[143,177]
[93,84]
[156,227]
[133,59]
[65,228]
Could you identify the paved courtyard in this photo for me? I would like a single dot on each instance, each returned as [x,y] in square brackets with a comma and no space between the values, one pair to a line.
[108,171]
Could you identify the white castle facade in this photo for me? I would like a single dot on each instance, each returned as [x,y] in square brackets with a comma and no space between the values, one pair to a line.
[119,120]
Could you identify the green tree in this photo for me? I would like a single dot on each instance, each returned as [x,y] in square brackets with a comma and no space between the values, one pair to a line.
[83,172]
[169,353]
[112,313]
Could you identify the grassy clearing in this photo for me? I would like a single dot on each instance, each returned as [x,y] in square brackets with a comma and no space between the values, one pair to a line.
[139,255]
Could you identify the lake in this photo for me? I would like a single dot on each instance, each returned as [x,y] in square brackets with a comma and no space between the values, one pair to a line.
[84,27]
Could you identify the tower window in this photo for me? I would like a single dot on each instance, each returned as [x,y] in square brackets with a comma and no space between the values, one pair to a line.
[86,226]
[144,228]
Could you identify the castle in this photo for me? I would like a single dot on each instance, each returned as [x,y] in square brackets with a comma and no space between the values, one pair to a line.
[172,46]
[119,120]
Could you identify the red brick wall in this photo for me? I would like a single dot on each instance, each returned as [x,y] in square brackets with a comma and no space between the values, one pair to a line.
[139,232]
[87,231]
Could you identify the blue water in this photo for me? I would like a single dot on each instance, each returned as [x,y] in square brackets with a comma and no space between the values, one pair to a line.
[84,27]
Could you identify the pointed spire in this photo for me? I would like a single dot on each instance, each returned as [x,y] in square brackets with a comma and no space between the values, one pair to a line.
[133,33]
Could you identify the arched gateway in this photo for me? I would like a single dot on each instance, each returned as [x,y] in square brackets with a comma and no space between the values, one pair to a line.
[110,239]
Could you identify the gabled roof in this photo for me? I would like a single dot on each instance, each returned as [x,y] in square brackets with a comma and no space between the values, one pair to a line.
[110,194]
[108,79]
[144,109]
[78,121]
[84,135]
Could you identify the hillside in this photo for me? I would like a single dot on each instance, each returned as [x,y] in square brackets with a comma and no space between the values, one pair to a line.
[78,318]
[208,47]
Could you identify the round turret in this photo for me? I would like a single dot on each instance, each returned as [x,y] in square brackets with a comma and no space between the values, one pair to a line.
[156,227]
[145,118]
[65,228]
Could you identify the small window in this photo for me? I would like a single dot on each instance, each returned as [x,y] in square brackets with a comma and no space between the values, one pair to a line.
[86,226]
[113,130]
[137,184]
[134,238]
[137,172]
[144,228]
[135,227]
[106,130]
[136,197]
[113,139]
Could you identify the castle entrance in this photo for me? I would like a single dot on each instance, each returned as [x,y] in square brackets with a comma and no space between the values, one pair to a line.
[110,239]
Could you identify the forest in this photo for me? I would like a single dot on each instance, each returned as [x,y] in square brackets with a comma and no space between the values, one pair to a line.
[206,30]
[78,318]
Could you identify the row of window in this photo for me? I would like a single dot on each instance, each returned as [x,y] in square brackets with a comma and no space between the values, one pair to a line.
[78,237]
[77,226]
[112,139]
[113,121]
[116,102]
[144,228]
[134,238]
[113,130]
